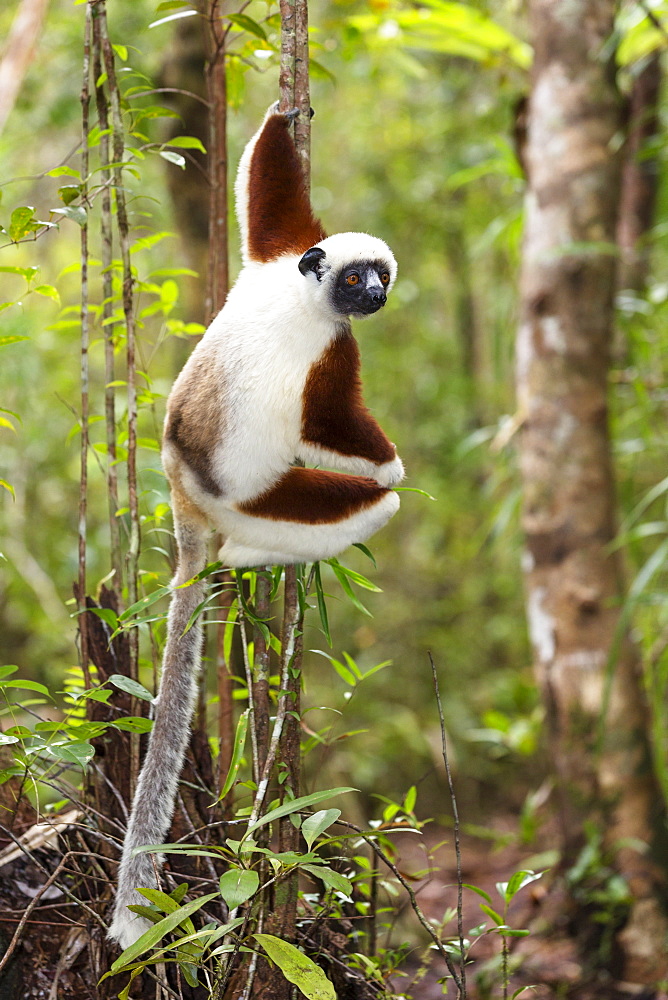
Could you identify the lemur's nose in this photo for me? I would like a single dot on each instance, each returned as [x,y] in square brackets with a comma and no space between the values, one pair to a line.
[378,298]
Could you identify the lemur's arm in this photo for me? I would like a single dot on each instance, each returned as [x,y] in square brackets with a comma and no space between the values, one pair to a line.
[337,429]
[272,202]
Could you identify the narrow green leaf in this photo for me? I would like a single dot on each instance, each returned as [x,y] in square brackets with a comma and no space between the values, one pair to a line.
[248,24]
[7,486]
[238,885]
[367,552]
[331,878]
[347,589]
[295,805]
[237,754]
[322,605]
[130,687]
[496,917]
[480,892]
[297,968]
[156,933]
[133,724]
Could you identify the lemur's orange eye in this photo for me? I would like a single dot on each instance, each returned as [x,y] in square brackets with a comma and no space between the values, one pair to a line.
[353,279]
[385,278]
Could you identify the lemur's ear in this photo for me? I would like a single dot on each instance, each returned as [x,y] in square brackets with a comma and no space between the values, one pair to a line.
[311,261]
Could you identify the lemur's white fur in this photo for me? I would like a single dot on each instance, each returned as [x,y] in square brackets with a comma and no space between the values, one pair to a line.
[248,376]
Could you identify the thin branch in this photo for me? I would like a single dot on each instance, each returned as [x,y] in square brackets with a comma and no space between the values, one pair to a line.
[16,937]
[411,895]
[85,337]
[455,813]
[130,328]
[107,312]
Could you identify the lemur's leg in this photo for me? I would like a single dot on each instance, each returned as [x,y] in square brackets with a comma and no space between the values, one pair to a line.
[153,804]
[337,429]
[272,201]
[309,514]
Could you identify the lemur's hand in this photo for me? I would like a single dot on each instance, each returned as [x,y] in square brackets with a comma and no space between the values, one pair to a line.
[390,473]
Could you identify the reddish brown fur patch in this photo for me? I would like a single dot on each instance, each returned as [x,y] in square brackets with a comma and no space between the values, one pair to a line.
[280,218]
[333,412]
[193,422]
[315,497]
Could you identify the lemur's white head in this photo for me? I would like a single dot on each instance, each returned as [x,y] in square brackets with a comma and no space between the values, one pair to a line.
[354,272]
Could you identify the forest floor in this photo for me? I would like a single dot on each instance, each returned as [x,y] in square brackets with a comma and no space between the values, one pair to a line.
[545,963]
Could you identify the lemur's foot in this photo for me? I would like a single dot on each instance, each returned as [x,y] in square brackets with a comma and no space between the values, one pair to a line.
[294,113]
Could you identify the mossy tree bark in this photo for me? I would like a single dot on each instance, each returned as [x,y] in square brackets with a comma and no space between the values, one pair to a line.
[588,671]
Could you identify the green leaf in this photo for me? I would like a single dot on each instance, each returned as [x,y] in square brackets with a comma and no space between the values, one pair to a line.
[63,171]
[322,604]
[295,805]
[4,739]
[347,589]
[496,917]
[69,193]
[27,686]
[133,724]
[76,753]
[74,212]
[297,968]
[156,933]
[7,670]
[367,552]
[48,291]
[517,881]
[160,899]
[173,158]
[248,24]
[316,824]
[7,486]
[186,142]
[355,577]
[26,272]
[237,885]
[107,615]
[134,688]
[11,339]
[237,754]
[480,892]
[22,222]
[331,878]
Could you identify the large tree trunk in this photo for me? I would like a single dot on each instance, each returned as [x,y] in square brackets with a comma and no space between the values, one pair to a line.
[588,671]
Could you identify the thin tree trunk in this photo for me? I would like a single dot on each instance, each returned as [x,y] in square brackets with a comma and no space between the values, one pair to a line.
[588,672]
[640,177]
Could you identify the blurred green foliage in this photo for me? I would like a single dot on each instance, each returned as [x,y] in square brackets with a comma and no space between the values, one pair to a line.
[412,141]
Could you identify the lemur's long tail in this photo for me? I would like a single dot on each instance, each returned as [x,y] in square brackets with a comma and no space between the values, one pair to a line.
[153,804]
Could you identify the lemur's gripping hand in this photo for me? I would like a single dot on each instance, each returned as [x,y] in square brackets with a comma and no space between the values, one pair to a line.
[390,473]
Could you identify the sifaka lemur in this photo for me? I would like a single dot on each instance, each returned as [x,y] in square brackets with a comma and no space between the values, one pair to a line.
[275,378]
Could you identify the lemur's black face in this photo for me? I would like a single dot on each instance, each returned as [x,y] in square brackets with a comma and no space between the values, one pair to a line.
[359,288]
